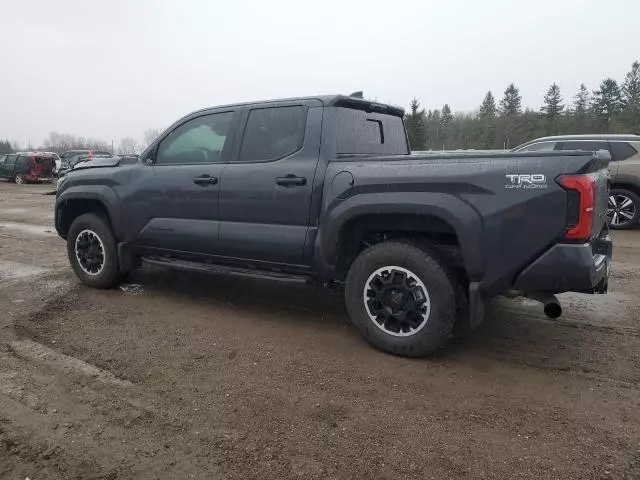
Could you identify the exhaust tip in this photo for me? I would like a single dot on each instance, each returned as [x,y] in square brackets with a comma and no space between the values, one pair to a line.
[552,310]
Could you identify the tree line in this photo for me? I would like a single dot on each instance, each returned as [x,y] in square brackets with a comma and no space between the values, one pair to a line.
[61,142]
[612,108]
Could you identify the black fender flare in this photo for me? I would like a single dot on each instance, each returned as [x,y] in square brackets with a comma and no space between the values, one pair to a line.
[101,193]
[461,216]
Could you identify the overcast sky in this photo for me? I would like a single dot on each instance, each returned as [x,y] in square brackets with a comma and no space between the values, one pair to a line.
[114,68]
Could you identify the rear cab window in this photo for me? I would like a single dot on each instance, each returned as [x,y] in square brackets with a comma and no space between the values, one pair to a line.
[364,132]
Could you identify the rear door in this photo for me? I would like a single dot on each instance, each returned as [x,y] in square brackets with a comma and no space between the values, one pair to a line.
[266,190]
[590,146]
[625,162]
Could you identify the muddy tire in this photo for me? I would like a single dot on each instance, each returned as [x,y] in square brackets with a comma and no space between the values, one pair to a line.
[19,179]
[93,251]
[623,210]
[402,299]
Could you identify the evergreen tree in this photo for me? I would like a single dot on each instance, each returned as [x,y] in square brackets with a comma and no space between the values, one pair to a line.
[607,101]
[488,108]
[511,103]
[5,147]
[433,121]
[415,125]
[447,117]
[581,102]
[553,106]
[631,97]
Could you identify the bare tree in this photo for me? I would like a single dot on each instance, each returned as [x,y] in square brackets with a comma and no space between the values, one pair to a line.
[61,142]
[128,146]
[150,135]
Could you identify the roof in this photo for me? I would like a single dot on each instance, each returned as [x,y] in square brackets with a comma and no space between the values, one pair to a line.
[595,136]
[29,152]
[327,100]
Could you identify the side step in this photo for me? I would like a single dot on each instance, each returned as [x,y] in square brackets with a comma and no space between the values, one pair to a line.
[190,266]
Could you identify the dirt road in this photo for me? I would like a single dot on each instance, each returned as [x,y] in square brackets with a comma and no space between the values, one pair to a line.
[189,376]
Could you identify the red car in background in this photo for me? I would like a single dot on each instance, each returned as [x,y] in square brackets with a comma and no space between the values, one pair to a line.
[26,167]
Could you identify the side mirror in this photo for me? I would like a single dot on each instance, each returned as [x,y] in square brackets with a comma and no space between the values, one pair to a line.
[149,158]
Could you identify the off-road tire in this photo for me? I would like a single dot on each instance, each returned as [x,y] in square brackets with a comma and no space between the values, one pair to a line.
[110,274]
[441,286]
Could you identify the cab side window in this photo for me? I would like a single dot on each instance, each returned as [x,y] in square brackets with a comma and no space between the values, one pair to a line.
[199,140]
[273,133]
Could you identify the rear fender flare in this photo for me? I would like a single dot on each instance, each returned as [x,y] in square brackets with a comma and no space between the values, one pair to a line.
[464,220]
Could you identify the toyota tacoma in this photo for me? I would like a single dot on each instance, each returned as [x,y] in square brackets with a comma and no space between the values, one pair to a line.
[325,189]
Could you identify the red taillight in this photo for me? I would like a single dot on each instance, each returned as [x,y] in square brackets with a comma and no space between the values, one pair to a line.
[585,186]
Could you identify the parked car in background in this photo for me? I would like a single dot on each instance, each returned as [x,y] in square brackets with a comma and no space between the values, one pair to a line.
[71,162]
[624,198]
[69,154]
[26,167]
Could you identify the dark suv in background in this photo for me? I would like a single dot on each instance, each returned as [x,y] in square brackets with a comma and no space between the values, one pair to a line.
[25,167]
[624,197]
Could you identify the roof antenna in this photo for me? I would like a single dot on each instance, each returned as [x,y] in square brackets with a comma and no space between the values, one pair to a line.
[358,94]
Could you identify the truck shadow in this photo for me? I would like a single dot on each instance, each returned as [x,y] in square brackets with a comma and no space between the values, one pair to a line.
[513,332]
[248,294]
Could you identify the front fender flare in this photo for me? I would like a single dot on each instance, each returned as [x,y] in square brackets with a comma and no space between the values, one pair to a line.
[101,193]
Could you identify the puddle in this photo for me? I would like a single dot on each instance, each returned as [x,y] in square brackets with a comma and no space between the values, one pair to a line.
[15,270]
[41,230]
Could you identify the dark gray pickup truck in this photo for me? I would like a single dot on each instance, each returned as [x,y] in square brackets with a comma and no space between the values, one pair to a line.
[325,189]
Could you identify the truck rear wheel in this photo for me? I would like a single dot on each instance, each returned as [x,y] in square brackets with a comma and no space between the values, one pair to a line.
[402,299]
[93,252]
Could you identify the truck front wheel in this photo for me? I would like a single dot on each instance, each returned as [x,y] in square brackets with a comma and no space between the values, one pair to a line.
[93,252]
[402,299]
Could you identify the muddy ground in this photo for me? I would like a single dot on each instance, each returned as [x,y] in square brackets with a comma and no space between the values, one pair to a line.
[189,376]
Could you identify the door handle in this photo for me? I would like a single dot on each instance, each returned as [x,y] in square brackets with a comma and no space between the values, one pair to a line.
[291,181]
[205,180]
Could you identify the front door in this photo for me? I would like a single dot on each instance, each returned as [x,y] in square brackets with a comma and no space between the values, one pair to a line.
[266,190]
[180,193]
[8,167]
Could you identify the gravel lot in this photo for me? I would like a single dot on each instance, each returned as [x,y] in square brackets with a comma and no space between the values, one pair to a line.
[190,376]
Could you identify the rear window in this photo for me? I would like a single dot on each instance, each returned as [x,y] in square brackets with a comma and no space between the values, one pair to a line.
[365,132]
[44,160]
